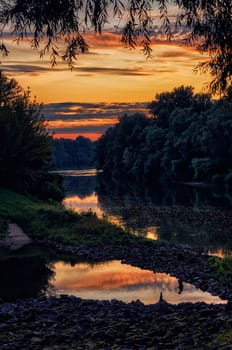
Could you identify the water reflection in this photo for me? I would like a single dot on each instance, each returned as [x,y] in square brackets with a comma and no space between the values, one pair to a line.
[166,213]
[41,274]
[114,280]
[79,204]
[82,185]
[24,277]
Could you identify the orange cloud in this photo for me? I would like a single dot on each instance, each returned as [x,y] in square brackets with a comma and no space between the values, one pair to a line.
[57,124]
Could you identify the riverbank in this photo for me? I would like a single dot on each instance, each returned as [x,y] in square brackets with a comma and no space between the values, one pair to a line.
[72,323]
[51,221]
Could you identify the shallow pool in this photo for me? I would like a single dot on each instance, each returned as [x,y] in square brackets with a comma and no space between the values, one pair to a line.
[114,280]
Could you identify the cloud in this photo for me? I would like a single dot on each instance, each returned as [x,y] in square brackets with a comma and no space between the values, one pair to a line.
[87,118]
[71,123]
[82,111]
[174,54]
[82,129]
[88,71]
[114,71]
[32,69]
[37,68]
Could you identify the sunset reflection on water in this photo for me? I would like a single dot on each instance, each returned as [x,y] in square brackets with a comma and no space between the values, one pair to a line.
[79,204]
[114,280]
[90,203]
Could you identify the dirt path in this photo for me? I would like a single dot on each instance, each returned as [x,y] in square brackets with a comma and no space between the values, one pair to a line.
[16,238]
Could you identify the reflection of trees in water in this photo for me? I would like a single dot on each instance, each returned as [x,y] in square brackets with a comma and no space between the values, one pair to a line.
[183,214]
[81,186]
[23,277]
[165,194]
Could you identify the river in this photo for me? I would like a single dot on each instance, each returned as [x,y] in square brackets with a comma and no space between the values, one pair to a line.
[180,214]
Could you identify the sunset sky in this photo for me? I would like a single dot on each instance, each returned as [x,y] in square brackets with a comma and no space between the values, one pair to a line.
[107,82]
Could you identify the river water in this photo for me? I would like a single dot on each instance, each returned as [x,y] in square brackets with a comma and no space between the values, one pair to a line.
[163,213]
[153,213]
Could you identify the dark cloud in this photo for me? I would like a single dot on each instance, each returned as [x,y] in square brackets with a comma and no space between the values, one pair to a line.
[99,116]
[80,111]
[114,71]
[32,69]
[36,68]
[175,54]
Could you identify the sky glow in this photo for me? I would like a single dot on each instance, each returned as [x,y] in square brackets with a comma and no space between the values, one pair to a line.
[106,83]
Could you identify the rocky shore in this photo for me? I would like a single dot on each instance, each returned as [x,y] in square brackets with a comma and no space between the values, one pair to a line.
[68,323]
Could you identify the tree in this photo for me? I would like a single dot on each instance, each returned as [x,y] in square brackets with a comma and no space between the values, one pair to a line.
[9,91]
[207,24]
[72,154]
[181,97]
[25,151]
[193,143]
[166,102]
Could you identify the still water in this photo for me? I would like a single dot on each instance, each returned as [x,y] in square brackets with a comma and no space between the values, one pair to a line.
[38,274]
[114,280]
[183,214]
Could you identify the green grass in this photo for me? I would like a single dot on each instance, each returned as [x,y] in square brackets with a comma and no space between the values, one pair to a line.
[225,338]
[223,267]
[50,220]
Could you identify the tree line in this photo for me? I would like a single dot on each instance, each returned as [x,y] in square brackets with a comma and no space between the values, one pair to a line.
[72,154]
[188,138]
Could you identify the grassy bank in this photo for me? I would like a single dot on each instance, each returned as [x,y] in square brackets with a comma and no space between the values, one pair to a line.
[50,220]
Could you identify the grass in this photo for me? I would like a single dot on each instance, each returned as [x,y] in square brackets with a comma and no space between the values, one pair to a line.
[50,220]
[223,267]
[225,338]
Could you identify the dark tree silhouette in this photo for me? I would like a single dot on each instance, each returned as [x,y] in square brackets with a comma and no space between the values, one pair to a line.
[207,24]
[25,145]
[189,139]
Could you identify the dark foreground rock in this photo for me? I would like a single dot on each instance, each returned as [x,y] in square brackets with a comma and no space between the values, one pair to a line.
[71,323]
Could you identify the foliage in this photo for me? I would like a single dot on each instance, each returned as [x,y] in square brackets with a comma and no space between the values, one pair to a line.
[188,139]
[223,267]
[115,149]
[206,24]
[43,220]
[72,154]
[181,97]
[225,338]
[25,144]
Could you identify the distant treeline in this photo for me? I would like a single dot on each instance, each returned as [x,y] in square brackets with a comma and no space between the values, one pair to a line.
[72,154]
[189,138]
